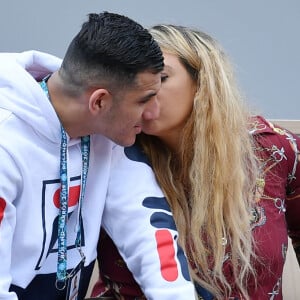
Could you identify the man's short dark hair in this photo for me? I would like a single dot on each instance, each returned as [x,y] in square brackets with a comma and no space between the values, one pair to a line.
[109,49]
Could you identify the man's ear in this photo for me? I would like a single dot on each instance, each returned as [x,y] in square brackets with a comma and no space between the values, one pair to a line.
[100,100]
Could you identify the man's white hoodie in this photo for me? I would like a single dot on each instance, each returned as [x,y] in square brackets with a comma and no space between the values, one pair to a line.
[30,138]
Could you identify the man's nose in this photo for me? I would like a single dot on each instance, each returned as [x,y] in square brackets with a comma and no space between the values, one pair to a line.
[152,110]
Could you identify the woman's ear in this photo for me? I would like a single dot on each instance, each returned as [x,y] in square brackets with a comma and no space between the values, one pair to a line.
[99,101]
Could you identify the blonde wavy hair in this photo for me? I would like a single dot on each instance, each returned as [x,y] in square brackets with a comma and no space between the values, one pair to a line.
[210,185]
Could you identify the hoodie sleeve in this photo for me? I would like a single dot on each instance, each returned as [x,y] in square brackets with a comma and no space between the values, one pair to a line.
[9,180]
[139,221]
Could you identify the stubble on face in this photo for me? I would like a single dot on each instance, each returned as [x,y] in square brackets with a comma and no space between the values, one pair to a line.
[129,107]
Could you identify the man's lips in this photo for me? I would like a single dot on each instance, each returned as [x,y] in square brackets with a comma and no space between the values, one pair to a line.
[138,129]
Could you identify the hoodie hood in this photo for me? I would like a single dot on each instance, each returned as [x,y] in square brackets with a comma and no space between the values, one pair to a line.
[21,94]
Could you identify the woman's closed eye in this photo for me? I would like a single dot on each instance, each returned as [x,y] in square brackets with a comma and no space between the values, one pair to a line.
[164,77]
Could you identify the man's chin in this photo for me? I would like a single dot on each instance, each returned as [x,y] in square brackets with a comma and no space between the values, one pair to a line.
[126,143]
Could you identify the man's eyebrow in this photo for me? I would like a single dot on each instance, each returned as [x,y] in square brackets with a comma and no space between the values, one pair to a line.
[148,96]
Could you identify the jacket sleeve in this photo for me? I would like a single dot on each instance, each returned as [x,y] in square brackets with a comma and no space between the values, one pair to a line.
[138,219]
[279,149]
[293,192]
[9,179]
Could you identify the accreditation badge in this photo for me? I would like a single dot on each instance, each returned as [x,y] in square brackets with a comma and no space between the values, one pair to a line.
[74,281]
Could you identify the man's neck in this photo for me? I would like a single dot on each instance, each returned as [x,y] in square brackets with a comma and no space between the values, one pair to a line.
[67,108]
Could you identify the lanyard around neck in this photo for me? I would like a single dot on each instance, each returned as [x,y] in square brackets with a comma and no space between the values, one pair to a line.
[61,274]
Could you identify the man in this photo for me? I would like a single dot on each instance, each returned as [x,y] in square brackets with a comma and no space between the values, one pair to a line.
[56,123]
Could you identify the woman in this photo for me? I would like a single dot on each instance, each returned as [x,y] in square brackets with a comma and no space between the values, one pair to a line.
[235,196]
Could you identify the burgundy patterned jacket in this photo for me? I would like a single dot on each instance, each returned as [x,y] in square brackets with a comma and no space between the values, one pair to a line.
[275,217]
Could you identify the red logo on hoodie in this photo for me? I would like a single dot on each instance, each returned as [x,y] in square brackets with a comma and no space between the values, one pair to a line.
[74,192]
[2,208]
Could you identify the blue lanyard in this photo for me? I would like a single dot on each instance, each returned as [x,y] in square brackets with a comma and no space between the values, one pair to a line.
[61,274]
